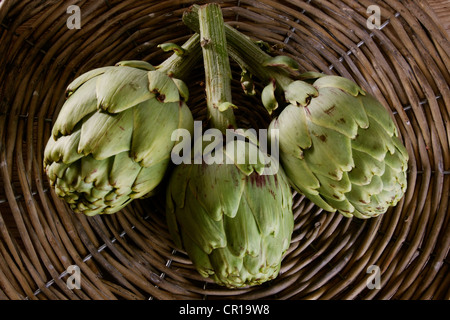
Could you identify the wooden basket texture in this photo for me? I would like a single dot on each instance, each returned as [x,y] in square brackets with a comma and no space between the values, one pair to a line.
[130,255]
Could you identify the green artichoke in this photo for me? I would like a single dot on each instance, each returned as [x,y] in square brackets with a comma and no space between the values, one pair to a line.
[111,142]
[340,147]
[234,222]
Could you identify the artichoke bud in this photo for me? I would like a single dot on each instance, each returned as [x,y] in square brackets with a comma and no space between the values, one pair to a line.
[343,150]
[111,141]
[234,223]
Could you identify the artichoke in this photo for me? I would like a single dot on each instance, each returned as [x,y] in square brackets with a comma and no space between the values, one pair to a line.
[111,141]
[234,221]
[340,147]
[338,144]
[232,213]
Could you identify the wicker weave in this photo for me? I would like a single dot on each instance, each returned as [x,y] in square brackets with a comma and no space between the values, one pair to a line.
[129,255]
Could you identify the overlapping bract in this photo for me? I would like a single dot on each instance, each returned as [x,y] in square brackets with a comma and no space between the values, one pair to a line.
[111,142]
[234,223]
[340,147]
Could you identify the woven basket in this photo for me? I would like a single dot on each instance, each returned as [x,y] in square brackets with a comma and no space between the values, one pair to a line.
[130,255]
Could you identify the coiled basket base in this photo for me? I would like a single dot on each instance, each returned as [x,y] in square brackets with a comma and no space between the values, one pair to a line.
[403,61]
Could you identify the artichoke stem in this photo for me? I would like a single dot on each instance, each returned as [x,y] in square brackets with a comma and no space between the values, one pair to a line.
[244,51]
[180,66]
[217,66]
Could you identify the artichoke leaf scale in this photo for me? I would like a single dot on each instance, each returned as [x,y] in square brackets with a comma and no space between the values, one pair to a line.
[401,149]
[371,209]
[56,170]
[226,264]
[341,83]
[243,236]
[121,88]
[390,146]
[172,223]
[63,149]
[330,154]
[104,135]
[72,175]
[364,194]
[395,161]
[139,64]
[178,185]
[185,120]
[199,257]
[365,168]
[268,98]
[256,267]
[148,178]
[332,109]
[70,198]
[378,113]
[261,196]
[116,206]
[335,188]
[123,173]
[111,196]
[300,93]
[99,193]
[214,184]
[80,104]
[273,246]
[151,139]
[389,179]
[82,187]
[301,175]
[93,202]
[294,135]
[207,233]
[115,200]
[183,89]
[96,171]
[85,77]
[163,87]
[343,206]
[373,141]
